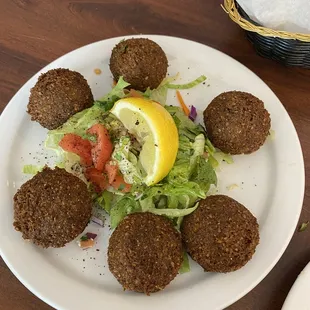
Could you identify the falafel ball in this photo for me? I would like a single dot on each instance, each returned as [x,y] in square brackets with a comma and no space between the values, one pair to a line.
[141,62]
[221,235]
[145,252]
[57,95]
[237,122]
[52,208]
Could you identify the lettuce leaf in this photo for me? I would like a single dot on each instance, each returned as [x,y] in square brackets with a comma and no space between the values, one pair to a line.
[78,124]
[185,267]
[127,162]
[192,84]
[122,206]
[173,212]
[190,164]
[204,174]
[106,102]
[160,93]
[32,169]
[104,201]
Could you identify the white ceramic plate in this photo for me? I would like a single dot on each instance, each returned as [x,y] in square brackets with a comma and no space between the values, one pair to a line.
[270,183]
[298,297]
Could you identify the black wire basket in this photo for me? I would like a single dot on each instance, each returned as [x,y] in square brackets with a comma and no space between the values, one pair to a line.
[288,48]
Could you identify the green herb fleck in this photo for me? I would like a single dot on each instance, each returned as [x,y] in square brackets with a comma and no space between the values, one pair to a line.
[303,226]
[84,238]
[118,156]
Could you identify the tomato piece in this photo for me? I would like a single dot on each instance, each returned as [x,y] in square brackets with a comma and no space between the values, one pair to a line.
[205,155]
[120,184]
[115,179]
[75,144]
[96,177]
[102,150]
[134,93]
[112,171]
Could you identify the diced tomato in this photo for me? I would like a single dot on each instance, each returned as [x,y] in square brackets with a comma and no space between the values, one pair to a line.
[86,244]
[134,93]
[112,171]
[116,180]
[97,178]
[102,150]
[75,144]
[120,184]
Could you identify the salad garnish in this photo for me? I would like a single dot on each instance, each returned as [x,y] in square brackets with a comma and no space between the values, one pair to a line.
[96,146]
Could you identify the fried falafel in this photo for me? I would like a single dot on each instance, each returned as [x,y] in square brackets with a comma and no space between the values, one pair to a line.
[221,235]
[141,62]
[57,95]
[145,252]
[52,208]
[237,122]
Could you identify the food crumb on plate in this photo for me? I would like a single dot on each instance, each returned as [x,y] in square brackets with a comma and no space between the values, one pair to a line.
[97,71]
[272,135]
[303,226]
[232,186]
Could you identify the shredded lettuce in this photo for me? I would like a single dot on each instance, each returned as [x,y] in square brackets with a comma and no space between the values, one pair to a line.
[192,84]
[106,102]
[173,212]
[104,201]
[220,156]
[127,161]
[32,169]
[160,93]
[188,181]
[198,148]
[203,174]
[123,205]
[77,124]
[216,156]
[177,195]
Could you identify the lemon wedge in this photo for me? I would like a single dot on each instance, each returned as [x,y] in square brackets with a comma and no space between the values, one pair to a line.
[155,130]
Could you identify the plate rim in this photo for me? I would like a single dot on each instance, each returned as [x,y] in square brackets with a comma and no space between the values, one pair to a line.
[295,287]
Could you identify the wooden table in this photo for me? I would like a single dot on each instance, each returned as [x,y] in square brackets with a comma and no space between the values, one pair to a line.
[33,33]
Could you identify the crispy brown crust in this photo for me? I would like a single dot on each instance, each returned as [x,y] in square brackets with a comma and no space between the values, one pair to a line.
[237,122]
[57,95]
[52,208]
[145,252]
[221,234]
[141,62]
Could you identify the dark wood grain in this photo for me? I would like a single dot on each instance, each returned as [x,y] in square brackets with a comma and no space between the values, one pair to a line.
[35,32]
